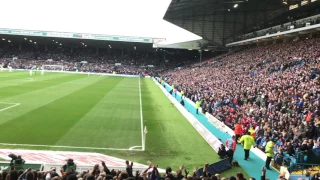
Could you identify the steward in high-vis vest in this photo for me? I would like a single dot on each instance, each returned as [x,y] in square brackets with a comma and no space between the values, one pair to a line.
[197,106]
[182,93]
[248,142]
[269,152]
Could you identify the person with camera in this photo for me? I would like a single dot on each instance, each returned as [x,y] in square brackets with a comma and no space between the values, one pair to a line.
[16,161]
[70,166]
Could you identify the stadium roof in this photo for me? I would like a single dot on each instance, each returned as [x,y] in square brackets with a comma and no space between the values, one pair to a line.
[220,21]
[68,42]
[141,18]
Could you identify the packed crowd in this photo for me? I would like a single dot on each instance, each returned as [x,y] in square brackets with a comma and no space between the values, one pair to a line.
[102,172]
[76,59]
[272,91]
[98,67]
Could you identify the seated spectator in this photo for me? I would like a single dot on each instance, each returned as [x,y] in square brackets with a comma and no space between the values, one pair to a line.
[278,158]
[222,151]
[289,149]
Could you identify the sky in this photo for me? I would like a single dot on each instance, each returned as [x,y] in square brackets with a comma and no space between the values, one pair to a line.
[140,18]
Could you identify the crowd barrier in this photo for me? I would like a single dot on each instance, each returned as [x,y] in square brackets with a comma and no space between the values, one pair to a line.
[213,141]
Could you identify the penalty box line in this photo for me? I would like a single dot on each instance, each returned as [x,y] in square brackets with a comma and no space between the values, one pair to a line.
[133,148]
[12,105]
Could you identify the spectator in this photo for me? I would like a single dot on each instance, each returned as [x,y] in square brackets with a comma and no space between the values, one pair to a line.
[222,151]
[231,144]
[289,149]
[129,168]
[69,166]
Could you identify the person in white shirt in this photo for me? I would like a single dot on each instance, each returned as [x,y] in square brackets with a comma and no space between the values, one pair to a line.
[42,71]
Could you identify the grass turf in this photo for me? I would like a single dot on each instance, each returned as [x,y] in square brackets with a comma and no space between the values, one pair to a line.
[99,111]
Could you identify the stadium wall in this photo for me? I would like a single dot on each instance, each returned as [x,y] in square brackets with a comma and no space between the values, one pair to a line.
[221,126]
[213,141]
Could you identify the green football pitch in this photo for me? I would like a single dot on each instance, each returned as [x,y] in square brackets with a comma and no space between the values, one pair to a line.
[105,114]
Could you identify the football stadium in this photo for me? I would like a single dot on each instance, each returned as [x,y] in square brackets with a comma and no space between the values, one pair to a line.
[150,89]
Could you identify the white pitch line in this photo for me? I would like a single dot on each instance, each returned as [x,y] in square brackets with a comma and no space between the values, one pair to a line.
[9,107]
[141,116]
[8,103]
[72,147]
[133,148]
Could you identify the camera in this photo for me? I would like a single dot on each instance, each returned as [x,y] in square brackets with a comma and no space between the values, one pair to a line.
[16,160]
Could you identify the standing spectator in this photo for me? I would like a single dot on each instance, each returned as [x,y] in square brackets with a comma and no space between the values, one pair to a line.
[69,166]
[129,168]
[231,144]
[238,131]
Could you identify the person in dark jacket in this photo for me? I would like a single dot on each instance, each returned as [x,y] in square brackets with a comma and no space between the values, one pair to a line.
[222,151]
[289,149]
[129,168]
[69,166]
[311,131]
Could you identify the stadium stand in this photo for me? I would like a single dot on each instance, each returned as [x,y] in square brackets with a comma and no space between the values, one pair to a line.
[272,90]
